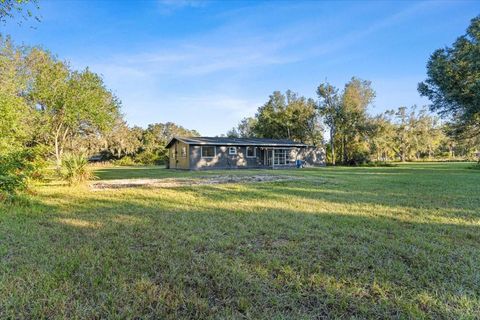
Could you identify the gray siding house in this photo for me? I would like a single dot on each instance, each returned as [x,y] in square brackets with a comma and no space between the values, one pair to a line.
[197,153]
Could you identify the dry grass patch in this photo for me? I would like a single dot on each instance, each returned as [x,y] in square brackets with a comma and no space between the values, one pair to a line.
[187,182]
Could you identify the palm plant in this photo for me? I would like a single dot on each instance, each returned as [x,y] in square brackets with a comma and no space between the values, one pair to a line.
[76,169]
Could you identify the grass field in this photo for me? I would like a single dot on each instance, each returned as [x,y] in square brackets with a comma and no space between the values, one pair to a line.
[394,242]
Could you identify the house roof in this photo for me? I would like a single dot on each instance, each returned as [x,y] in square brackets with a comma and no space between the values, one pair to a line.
[237,142]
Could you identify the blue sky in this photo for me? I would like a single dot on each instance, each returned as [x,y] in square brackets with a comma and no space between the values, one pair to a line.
[206,65]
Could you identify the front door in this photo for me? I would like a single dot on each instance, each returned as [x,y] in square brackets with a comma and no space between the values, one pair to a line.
[269,154]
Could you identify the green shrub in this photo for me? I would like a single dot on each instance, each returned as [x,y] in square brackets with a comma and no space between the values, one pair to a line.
[18,169]
[150,158]
[476,166]
[358,158]
[76,169]
[125,161]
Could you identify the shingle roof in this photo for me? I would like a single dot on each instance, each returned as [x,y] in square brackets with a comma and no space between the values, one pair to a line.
[237,141]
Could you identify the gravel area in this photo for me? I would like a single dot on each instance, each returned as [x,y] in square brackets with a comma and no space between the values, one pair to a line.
[180,182]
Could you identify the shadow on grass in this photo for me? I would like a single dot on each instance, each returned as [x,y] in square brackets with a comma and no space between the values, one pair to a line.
[341,242]
[259,251]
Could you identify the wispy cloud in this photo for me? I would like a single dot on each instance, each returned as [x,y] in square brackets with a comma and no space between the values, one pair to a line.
[361,32]
[169,6]
[227,49]
[206,62]
[235,106]
[181,3]
[209,112]
[200,59]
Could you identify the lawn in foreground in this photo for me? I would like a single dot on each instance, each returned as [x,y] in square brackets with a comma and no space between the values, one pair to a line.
[392,242]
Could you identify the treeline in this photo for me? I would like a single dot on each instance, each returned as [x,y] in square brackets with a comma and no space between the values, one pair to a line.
[45,104]
[126,146]
[354,136]
[283,116]
[50,111]
[405,134]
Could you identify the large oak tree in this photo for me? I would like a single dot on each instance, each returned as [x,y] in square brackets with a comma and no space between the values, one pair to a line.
[69,102]
[453,81]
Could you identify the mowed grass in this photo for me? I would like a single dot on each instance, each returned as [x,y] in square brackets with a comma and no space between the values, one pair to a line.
[396,242]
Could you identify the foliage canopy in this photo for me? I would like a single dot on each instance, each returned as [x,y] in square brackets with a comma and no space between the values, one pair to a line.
[453,81]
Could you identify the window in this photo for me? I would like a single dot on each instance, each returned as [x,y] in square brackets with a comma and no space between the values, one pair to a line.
[281,157]
[184,152]
[232,150]
[208,151]
[251,152]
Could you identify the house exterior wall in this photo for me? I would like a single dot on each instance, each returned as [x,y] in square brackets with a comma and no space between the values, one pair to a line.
[313,157]
[177,159]
[222,159]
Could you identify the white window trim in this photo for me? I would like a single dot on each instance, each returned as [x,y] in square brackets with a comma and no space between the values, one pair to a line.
[214,152]
[230,150]
[283,158]
[254,152]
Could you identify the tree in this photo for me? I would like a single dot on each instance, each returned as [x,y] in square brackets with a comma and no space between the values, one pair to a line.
[428,134]
[453,81]
[159,134]
[302,120]
[329,108]
[10,8]
[15,119]
[245,129]
[416,134]
[122,140]
[380,136]
[403,137]
[352,127]
[155,138]
[70,103]
[271,117]
[346,117]
[232,133]
[288,116]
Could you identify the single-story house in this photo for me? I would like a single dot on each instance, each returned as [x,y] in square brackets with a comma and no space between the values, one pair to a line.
[195,153]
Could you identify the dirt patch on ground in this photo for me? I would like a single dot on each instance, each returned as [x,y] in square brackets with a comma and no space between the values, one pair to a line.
[182,182]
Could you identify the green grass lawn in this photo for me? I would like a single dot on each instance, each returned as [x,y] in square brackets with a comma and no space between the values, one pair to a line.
[393,242]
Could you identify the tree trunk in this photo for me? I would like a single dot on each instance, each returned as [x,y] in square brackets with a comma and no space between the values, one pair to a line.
[59,143]
[64,138]
[332,145]
[58,157]
[58,160]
